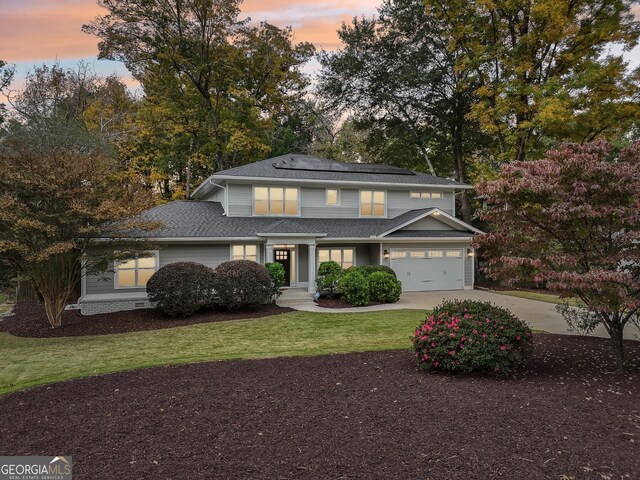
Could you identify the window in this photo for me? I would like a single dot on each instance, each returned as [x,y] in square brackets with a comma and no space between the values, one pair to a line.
[417,254]
[244,252]
[275,201]
[435,253]
[136,272]
[397,254]
[343,256]
[372,203]
[453,254]
[332,196]
[425,195]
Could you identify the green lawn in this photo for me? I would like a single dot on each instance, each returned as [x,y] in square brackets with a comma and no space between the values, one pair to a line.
[541,297]
[25,362]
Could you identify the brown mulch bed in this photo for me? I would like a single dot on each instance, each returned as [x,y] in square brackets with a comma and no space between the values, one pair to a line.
[326,302]
[29,320]
[355,416]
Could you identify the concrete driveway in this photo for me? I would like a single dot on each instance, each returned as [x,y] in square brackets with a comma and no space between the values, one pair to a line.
[539,315]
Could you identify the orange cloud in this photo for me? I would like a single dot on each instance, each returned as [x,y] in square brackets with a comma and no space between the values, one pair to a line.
[41,30]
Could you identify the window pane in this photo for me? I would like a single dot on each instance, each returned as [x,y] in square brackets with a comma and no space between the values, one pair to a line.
[417,254]
[378,210]
[276,199]
[395,254]
[425,195]
[126,278]
[323,256]
[238,250]
[378,197]
[347,255]
[253,258]
[332,197]
[144,275]
[346,265]
[261,207]
[453,253]
[147,262]
[261,193]
[436,195]
[414,194]
[435,253]
[276,207]
[365,196]
[251,250]
[127,264]
[291,194]
[365,209]
[336,255]
[291,207]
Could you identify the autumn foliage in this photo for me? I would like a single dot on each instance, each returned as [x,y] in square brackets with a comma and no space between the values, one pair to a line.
[572,222]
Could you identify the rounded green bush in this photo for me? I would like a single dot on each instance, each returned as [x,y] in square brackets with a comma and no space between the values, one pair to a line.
[329,274]
[472,336]
[354,288]
[241,284]
[384,287]
[180,289]
[367,270]
[277,274]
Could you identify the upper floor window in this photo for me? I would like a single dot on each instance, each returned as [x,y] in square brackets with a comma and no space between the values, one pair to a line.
[275,200]
[332,196]
[135,272]
[372,203]
[244,252]
[425,194]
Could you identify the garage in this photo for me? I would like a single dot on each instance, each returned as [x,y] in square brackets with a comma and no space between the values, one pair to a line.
[422,269]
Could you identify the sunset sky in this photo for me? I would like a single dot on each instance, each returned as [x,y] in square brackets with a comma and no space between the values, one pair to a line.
[41,31]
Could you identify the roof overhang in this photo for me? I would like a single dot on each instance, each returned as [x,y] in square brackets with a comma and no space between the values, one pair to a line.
[243,178]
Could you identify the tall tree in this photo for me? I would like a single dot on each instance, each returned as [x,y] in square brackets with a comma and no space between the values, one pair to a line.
[544,69]
[241,74]
[572,222]
[397,76]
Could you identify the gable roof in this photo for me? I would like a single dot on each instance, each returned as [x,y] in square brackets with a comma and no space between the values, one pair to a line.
[309,168]
[191,219]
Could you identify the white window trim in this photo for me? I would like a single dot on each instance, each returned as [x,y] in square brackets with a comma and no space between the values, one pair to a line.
[353,250]
[326,202]
[360,203]
[137,287]
[422,195]
[269,187]
[244,251]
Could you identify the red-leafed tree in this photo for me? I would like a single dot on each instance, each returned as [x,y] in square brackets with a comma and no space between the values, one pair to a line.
[571,221]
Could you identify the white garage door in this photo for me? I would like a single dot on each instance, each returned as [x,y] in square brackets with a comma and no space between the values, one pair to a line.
[428,269]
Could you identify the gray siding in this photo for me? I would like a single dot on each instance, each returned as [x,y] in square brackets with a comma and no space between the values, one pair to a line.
[209,255]
[240,198]
[428,223]
[398,202]
[217,196]
[312,202]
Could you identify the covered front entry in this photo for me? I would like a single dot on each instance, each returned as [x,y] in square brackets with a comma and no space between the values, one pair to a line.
[283,257]
[424,269]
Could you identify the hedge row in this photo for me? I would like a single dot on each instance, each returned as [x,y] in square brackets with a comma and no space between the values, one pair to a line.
[180,289]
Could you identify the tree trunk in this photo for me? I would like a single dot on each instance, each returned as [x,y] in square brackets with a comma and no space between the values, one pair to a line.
[54,308]
[616,334]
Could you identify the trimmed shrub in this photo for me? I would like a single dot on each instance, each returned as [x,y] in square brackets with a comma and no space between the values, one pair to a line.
[472,336]
[241,284]
[329,274]
[180,289]
[367,270]
[277,274]
[384,287]
[354,288]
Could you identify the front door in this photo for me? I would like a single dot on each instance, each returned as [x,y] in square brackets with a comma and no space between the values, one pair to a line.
[283,257]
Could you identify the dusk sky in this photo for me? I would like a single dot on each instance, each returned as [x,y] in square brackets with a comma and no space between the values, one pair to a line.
[41,31]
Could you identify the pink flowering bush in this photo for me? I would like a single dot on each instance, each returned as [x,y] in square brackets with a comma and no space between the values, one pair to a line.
[472,336]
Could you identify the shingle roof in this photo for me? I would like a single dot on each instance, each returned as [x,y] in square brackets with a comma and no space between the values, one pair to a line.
[266,169]
[429,234]
[205,219]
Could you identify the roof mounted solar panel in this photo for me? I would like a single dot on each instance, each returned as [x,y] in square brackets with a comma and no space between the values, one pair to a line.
[315,164]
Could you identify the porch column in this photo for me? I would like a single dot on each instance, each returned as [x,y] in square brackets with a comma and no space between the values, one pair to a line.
[312,268]
[269,253]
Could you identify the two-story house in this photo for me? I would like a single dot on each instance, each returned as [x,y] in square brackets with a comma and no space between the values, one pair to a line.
[301,210]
